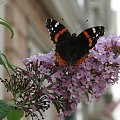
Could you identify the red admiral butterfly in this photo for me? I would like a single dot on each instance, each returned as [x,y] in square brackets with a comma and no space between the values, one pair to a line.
[72,49]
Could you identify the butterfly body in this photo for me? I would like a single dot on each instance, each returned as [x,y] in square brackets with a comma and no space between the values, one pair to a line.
[70,48]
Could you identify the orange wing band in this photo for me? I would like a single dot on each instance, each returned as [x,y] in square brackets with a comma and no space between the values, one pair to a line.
[89,39]
[59,33]
[81,60]
[60,60]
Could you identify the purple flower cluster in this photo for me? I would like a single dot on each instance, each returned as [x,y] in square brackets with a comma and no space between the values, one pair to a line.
[67,86]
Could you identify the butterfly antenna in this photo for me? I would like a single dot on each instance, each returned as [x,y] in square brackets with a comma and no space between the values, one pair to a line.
[81,26]
[68,25]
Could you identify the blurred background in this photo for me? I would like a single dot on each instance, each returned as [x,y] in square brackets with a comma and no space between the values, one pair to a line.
[28,17]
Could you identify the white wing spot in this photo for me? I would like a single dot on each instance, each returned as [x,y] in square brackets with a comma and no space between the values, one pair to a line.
[94,31]
[50,20]
[56,24]
[52,28]
[96,35]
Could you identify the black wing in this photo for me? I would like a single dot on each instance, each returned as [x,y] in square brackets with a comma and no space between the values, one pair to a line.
[58,33]
[87,40]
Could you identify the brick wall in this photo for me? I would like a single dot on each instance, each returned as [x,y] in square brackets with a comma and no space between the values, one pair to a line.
[19,13]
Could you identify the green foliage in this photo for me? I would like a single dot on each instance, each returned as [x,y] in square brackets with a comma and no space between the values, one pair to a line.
[6,24]
[4,61]
[15,114]
[5,108]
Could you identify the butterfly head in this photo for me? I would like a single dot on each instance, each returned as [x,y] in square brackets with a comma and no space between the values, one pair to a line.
[74,35]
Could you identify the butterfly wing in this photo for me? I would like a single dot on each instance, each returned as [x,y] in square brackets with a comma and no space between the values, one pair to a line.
[70,49]
[59,35]
[87,40]
[93,34]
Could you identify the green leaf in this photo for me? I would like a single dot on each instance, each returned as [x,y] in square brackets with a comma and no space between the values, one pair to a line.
[15,115]
[5,108]
[7,62]
[4,61]
[6,24]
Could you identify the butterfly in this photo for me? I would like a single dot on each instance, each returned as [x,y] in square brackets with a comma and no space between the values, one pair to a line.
[71,49]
